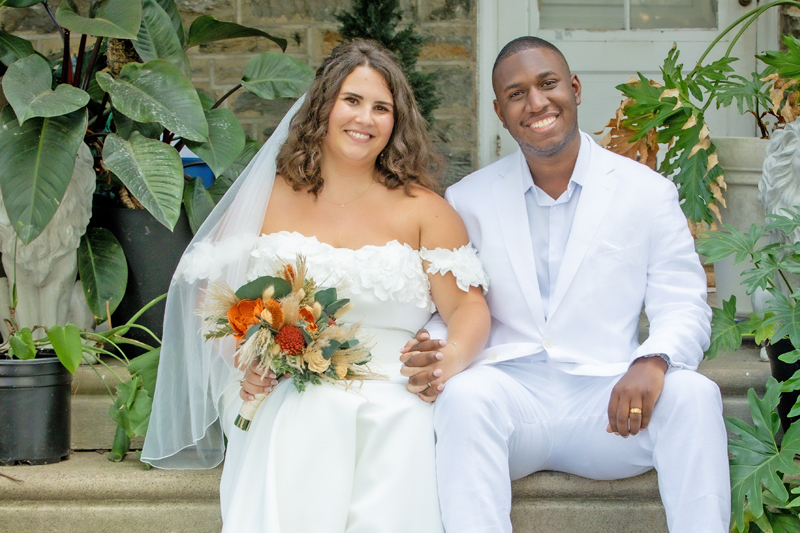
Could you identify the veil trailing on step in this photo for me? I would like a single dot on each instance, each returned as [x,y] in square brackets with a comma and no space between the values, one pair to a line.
[185,431]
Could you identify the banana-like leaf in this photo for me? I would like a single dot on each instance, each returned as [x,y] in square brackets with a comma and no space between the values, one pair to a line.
[274,75]
[36,163]
[109,18]
[198,203]
[174,15]
[158,91]
[103,271]
[207,29]
[157,38]
[226,140]
[66,341]
[13,48]
[27,86]
[151,170]
[21,3]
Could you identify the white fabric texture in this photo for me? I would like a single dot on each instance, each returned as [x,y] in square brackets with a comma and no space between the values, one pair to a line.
[330,459]
[184,430]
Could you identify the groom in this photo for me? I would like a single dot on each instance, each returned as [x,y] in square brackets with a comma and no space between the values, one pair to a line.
[575,240]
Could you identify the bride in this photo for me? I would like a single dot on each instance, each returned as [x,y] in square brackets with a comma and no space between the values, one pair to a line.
[344,180]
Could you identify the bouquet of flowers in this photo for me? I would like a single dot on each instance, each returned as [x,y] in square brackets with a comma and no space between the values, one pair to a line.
[288,324]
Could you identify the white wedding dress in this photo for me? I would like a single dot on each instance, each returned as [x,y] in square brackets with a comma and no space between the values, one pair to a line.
[334,460]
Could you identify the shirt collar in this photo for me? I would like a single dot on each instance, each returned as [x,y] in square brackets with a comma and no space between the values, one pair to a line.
[578,175]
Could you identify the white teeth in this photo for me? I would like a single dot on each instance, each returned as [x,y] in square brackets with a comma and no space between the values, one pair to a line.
[358,135]
[544,122]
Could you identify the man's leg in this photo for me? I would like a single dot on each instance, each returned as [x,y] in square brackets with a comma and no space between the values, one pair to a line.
[483,417]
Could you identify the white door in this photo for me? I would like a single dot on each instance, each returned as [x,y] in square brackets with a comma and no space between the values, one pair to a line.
[606,42]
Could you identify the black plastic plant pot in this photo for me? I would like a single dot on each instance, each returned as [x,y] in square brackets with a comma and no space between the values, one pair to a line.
[35,410]
[782,371]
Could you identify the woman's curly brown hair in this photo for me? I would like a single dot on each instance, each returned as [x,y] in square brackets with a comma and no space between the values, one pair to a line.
[408,157]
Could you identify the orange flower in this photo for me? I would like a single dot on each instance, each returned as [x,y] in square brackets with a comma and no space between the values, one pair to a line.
[273,313]
[243,315]
[306,315]
[290,339]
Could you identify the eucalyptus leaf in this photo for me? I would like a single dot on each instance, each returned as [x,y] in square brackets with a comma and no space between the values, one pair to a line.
[333,307]
[110,18]
[226,140]
[330,349]
[254,289]
[27,86]
[157,38]
[151,170]
[274,75]
[103,271]
[325,297]
[157,91]
[66,341]
[13,48]
[36,163]
[207,29]
[197,201]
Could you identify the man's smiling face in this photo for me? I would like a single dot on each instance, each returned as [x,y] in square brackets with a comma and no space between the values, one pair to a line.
[537,101]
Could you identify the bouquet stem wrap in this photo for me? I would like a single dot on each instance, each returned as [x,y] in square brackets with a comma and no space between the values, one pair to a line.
[248,411]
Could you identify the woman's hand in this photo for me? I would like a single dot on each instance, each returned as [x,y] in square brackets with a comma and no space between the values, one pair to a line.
[428,370]
[255,382]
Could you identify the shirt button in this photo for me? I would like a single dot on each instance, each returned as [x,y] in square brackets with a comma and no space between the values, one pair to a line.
[492,357]
[548,343]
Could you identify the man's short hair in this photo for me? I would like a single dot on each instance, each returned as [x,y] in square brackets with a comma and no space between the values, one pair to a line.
[526,42]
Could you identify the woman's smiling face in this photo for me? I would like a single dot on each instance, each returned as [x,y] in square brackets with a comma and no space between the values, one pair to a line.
[362,118]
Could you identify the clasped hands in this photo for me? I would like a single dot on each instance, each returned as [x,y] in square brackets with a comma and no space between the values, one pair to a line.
[428,364]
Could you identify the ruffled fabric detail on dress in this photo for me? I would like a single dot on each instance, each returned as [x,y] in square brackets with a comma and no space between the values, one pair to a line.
[463,263]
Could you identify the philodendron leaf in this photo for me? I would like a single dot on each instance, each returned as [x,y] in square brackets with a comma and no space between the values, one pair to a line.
[36,163]
[131,409]
[223,181]
[21,3]
[157,91]
[718,245]
[66,341]
[174,15]
[22,346]
[151,170]
[126,125]
[726,332]
[110,18]
[103,271]
[27,86]
[157,38]
[197,201]
[274,75]
[207,29]
[786,316]
[146,366]
[756,462]
[226,140]
[13,48]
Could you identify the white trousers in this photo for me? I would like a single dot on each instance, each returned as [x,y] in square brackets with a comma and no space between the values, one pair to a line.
[496,423]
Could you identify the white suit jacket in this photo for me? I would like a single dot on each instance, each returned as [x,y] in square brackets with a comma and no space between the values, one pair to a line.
[629,246]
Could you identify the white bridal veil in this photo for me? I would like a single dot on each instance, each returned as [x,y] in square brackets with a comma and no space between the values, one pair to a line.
[184,430]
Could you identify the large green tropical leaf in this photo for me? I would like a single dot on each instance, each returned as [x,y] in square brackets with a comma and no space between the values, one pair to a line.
[157,38]
[174,15]
[726,332]
[718,245]
[66,341]
[274,75]
[198,203]
[786,316]
[756,462]
[27,86]
[131,408]
[20,3]
[151,170]
[103,271]
[107,18]
[787,63]
[126,125]
[13,48]
[223,182]
[146,366]
[207,29]
[36,163]
[225,140]
[21,344]
[157,91]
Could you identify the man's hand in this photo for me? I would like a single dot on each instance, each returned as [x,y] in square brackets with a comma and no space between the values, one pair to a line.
[422,359]
[639,390]
[256,383]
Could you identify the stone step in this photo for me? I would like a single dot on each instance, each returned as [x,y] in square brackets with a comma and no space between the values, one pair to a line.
[89,493]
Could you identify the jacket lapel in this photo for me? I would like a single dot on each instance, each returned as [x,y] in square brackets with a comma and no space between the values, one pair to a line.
[509,203]
[596,195]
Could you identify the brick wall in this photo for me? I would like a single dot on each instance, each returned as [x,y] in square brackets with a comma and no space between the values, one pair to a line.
[450,27]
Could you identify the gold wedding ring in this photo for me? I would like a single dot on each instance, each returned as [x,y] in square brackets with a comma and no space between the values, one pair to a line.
[636,411]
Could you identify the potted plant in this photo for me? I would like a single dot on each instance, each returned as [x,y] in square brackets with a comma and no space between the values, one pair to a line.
[134,121]
[35,396]
[762,490]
